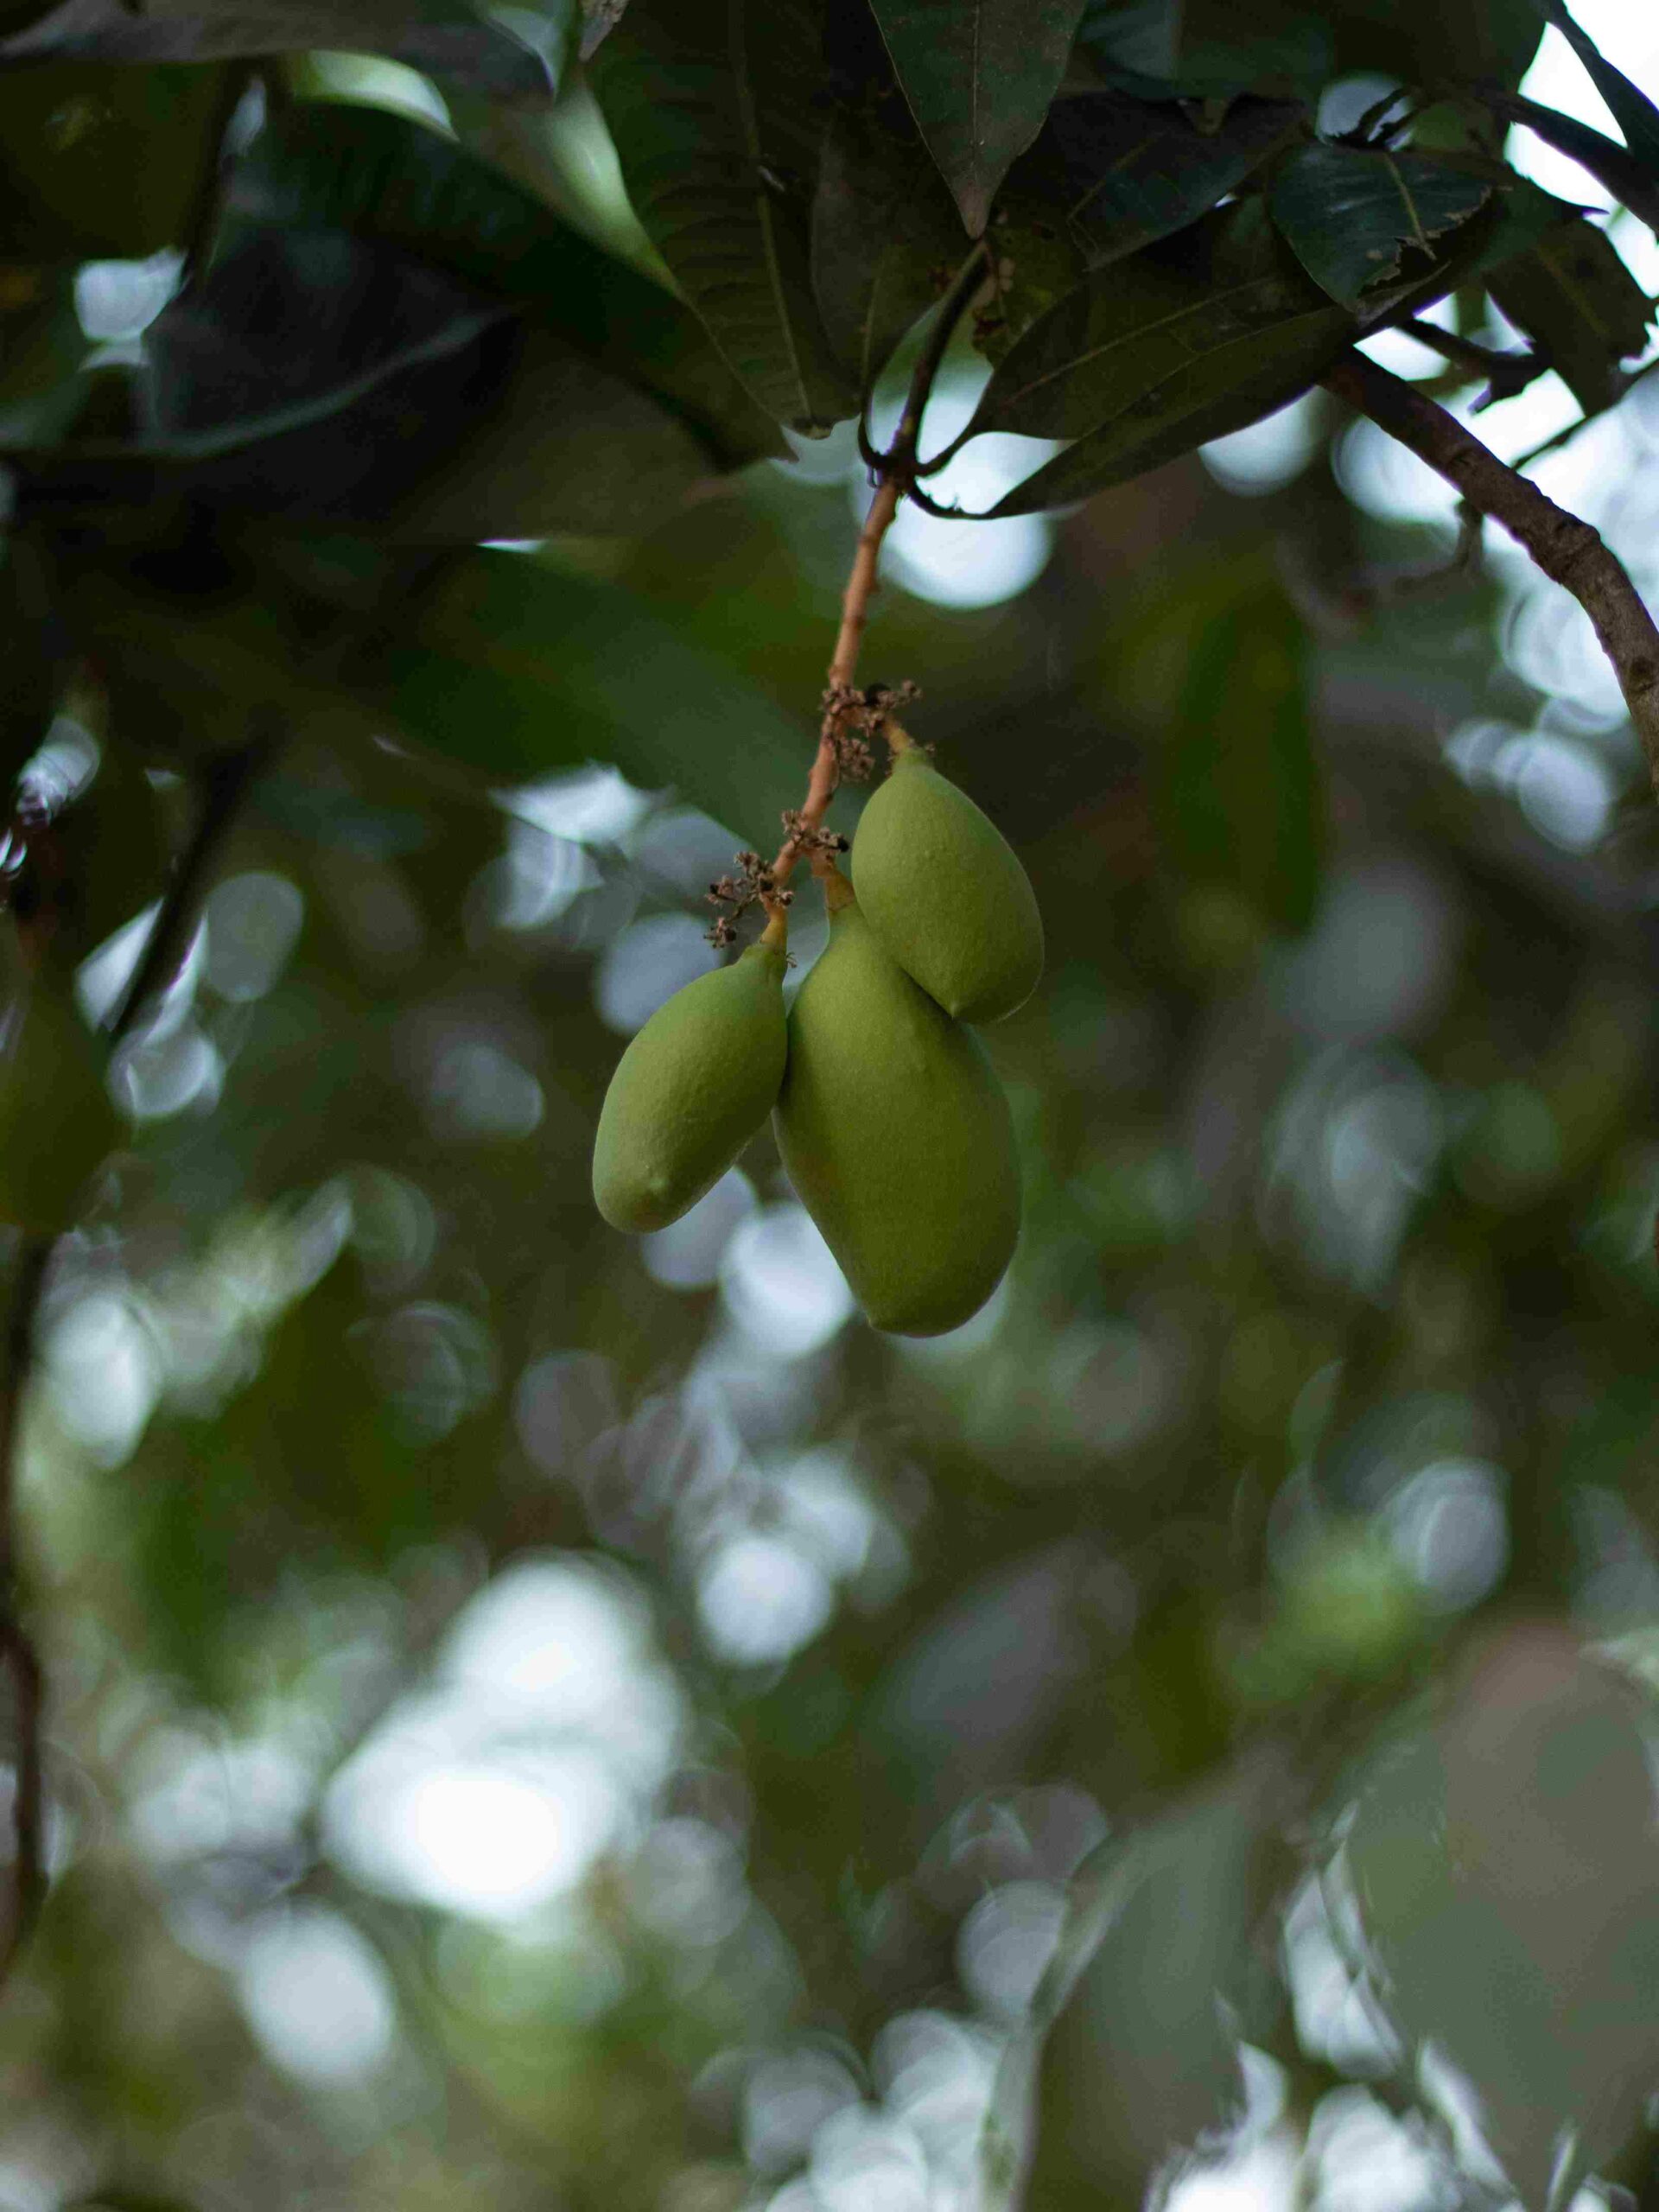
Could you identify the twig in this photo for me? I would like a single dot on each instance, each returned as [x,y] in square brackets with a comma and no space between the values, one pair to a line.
[16,1646]
[895,471]
[224,787]
[1506,373]
[1565,548]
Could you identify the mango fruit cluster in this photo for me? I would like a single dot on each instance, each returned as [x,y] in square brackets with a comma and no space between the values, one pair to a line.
[889,1119]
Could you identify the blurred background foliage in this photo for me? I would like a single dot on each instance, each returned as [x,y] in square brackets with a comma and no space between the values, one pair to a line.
[541,1719]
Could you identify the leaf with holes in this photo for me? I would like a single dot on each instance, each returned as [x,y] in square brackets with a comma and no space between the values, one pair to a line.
[712,110]
[979,75]
[1352,216]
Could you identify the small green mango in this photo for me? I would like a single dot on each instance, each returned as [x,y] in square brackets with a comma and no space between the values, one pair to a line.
[691,1090]
[944,891]
[896,1135]
[57,1124]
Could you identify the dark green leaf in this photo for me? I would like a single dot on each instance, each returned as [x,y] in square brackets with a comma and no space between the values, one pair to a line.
[1630,108]
[1108,174]
[1136,36]
[1178,417]
[101,161]
[1352,216]
[979,75]
[1292,63]
[1155,340]
[712,110]
[292,326]
[382,176]
[520,668]
[884,234]
[1411,41]
[1237,801]
[443,38]
[1135,172]
[1573,297]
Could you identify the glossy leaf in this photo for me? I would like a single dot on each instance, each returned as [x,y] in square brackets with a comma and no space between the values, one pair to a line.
[1629,106]
[1237,795]
[711,109]
[383,176]
[440,37]
[1352,216]
[69,132]
[979,75]
[1573,296]
[1148,347]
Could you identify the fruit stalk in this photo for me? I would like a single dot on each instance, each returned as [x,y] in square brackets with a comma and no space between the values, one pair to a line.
[894,473]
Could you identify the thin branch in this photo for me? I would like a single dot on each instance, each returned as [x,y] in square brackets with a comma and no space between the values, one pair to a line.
[1566,549]
[224,787]
[18,1651]
[1506,373]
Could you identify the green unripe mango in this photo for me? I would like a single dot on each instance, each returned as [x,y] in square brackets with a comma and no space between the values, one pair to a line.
[896,1135]
[691,1090]
[57,1124]
[944,891]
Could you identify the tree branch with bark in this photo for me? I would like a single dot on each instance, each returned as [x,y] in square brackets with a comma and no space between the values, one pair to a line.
[1568,549]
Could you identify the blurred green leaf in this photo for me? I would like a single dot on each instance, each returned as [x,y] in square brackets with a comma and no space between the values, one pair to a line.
[712,112]
[1139,2061]
[1505,1874]
[97,161]
[441,37]
[520,668]
[1237,795]
[352,315]
[1352,215]
[1573,296]
[979,75]
[382,176]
